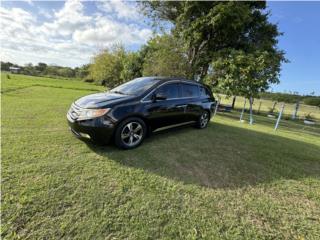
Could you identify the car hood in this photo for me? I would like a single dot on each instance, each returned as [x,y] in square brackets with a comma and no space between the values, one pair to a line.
[99,100]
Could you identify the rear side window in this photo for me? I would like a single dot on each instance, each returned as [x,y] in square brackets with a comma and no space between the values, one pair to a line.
[169,90]
[189,90]
[204,92]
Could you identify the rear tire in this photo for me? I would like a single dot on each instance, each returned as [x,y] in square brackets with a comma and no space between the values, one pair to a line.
[130,133]
[203,120]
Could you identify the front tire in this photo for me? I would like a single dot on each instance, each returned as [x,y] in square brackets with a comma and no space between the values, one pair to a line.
[203,120]
[130,133]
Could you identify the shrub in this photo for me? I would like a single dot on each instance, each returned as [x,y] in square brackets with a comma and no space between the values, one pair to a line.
[314,101]
[286,117]
[88,79]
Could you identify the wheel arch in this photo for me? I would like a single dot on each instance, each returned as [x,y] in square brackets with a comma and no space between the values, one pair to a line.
[209,111]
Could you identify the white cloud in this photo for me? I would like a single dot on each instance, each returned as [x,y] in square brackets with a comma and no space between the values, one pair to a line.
[123,10]
[17,15]
[15,23]
[67,36]
[67,20]
[107,32]
[45,13]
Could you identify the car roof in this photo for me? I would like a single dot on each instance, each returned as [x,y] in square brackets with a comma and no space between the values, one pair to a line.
[167,79]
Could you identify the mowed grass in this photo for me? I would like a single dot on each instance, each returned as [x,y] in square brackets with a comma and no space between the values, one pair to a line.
[229,181]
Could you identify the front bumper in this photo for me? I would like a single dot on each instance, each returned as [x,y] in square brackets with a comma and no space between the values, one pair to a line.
[97,129]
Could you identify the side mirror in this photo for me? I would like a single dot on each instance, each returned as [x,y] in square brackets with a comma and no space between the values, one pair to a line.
[159,96]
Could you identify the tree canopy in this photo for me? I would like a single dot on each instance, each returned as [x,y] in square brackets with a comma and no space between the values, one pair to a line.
[165,57]
[245,74]
[212,30]
[107,66]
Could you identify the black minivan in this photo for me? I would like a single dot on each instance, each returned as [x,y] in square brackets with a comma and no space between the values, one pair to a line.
[130,111]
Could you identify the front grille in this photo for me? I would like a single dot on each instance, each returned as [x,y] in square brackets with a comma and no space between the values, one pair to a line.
[74,111]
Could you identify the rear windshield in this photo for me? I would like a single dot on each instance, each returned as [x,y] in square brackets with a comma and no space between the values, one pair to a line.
[136,86]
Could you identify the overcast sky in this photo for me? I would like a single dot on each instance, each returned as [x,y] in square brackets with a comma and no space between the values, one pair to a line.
[69,33]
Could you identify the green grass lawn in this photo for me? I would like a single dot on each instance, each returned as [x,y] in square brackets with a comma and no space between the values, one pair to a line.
[229,181]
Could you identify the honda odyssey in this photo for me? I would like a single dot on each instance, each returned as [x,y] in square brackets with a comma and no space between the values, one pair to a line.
[136,108]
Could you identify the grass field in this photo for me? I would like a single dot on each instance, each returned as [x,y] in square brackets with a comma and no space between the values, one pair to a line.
[229,181]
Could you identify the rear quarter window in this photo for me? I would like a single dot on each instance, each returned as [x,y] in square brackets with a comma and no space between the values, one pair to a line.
[204,92]
[190,90]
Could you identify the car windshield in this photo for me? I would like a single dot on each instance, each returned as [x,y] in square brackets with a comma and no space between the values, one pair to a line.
[135,87]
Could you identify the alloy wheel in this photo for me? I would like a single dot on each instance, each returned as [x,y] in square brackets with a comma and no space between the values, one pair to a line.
[132,134]
[204,119]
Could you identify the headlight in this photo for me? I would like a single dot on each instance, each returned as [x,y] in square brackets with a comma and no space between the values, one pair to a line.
[92,113]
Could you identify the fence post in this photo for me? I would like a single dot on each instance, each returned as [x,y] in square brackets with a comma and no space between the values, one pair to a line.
[216,108]
[273,107]
[244,106]
[295,111]
[251,106]
[279,117]
[259,106]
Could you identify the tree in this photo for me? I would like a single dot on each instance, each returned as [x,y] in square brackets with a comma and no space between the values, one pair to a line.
[29,69]
[41,67]
[83,71]
[107,66]
[207,28]
[51,70]
[5,66]
[165,57]
[66,72]
[246,74]
[132,66]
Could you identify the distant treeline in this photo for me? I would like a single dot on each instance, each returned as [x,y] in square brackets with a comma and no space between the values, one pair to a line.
[284,97]
[291,98]
[42,69]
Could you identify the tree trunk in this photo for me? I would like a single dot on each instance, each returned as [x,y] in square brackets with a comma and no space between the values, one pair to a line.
[233,102]
[251,116]
[203,73]
[259,107]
